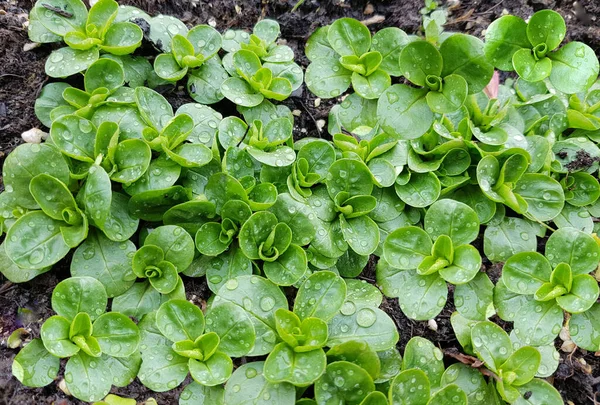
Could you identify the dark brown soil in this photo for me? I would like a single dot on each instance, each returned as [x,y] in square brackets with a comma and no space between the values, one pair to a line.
[22,76]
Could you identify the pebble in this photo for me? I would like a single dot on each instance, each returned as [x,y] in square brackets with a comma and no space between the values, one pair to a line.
[34,135]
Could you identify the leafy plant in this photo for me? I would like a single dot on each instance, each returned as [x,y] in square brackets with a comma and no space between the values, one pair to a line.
[91,339]
[344,53]
[531,50]
[85,33]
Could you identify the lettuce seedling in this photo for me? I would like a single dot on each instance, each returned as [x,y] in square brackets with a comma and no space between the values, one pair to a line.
[411,255]
[444,78]
[188,52]
[86,33]
[343,53]
[304,333]
[514,369]
[310,168]
[88,337]
[182,347]
[531,50]
[167,251]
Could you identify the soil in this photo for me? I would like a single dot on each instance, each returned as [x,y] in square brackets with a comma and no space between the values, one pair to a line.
[22,76]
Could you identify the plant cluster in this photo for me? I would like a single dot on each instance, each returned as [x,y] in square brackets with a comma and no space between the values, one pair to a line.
[433,175]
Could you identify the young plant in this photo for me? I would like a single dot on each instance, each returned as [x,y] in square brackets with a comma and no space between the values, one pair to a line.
[182,347]
[310,168]
[304,333]
[92,340]
[426,259]
[188,52]
[444,78]
[85,33]
[531,50]
[167,251]
[343,53]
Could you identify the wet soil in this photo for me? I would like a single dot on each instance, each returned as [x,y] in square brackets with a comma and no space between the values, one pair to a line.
[22,76]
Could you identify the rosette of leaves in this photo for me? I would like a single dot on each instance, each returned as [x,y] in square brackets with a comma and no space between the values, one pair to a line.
[310,168]
[531,50]
[304,332]
[263,237]
[266,142]
[263,43]
[425,259]
[583,111]
[92,340]
[167,251]
[254,81]
[544,286]
[374,152]
[514,369]
[504,179]
[342,207]
[58,220]
[344,53]
[177,344]
[103,85]
[188,52]
[444,78]
[86,33]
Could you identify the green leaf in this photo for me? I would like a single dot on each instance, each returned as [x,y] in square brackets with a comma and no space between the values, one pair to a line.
[529,68]
[180,320]
[584,328]
[576,248]
[369,324]
[537,392]
[79,294]
[449,393]
[196,394]
[153,107]
[320,287]
[524,363]
[59,24]
[162,30]
[421,190]
[503,38]
[36,31]
[454,219]
[139,300]
[421,354]
[356,352]
[88,378]
[73,136]
[538,25]
[260,298]
[299,368]
[405,248]
[491,343]
[289,267]
[389,42]
[222,188]
[525,272]
[53,197]
[248,385]
[327,78]
[451,98]
[34,366]
[152,204]
[234,327]
[162,369]
[474,300]
[509,237]
[540,323]
[544,195]
[350,176]
[136,68]
[361,293]
[582,295]
[124,369]
[317,45]
[470,381]
[343,382]
[106,261]
[204,84]
[49,99]
[104,73]
[15,273]
[220,269]
[240,92]
[280,157]
[464,55]
[117,335]
[67,61]
[508,303]
[348,36]
[214,371]
[371,87]
[55,335]
[411,62]
[574,68]
[410,387]
[167,68]
[122,38]
[403,111]
[190,215]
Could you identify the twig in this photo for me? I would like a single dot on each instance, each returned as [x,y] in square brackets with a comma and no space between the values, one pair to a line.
[57,10]
[311,117]
[491,8]
[376,19]
[11,75]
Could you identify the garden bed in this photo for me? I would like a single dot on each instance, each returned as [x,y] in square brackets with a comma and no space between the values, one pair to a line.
[22,77]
